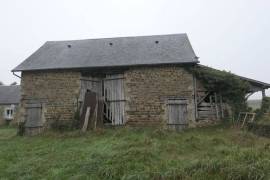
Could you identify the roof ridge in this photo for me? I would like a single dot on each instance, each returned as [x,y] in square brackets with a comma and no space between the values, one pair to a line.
[118,37]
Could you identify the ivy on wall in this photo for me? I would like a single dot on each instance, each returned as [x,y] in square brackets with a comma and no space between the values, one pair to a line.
[232,88]
[265,108]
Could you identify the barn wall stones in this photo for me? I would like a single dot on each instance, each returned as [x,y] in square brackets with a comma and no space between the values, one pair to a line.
[56,91]
[148,88]
[146,92]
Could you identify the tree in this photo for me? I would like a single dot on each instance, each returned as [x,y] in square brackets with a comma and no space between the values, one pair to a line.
[13,84]
[1,83]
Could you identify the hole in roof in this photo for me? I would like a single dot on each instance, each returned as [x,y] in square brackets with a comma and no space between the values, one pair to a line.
[156,42]
[111,43]
[69,46]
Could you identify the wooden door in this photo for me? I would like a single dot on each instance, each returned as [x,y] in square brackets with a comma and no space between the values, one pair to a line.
[33,115]
[114,99]
[90,101]
[177,114]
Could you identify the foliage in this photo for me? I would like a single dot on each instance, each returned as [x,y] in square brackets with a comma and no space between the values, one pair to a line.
[76,119]
[61,126]
[1,83]
[254,104]
[13,84]
[259,129]
[21,129]
[128,153]
[232,88]
[265,107]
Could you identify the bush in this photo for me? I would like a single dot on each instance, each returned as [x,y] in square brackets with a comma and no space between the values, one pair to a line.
[61,126]
[21,129]
[265,107]
[232,88]
[259,129]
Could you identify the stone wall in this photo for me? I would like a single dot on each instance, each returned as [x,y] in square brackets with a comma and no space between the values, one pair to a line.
[148,88]
[56,91]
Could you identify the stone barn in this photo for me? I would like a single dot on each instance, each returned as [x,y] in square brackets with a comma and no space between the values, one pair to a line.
[136,81]
[9,101]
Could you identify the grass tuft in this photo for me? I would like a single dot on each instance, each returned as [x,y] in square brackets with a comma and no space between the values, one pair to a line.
[132,153]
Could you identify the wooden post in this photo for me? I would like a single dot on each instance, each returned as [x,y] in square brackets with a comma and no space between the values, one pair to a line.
[243,124]
[86,119]
[253,117]
[96,116]
[263,93]
[195,96]
[221,107]
[216,105]
[211,102]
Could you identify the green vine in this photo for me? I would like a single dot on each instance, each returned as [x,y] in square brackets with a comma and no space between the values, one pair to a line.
[265,107]
[232,88]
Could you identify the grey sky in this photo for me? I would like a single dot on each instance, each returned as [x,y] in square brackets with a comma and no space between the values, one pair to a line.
[225,34]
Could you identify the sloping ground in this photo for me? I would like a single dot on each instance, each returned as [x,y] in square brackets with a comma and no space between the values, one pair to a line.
[207,153]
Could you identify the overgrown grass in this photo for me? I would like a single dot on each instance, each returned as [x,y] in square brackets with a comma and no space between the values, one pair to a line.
[126,153]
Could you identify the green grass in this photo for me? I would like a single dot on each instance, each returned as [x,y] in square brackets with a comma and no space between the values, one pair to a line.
[124,153]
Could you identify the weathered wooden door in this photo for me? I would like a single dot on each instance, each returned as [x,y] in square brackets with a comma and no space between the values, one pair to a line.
[114,99]
[33,115]
[177,114]
[92,84]
[90,101]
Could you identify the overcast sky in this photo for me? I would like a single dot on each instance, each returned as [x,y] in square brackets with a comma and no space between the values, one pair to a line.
[226,34]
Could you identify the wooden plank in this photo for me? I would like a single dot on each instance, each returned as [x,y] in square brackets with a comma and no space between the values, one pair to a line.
[203,98]
[115,101]
[177,115]
[85,124]
[244,121]
[33,115]
[204,109]
[205,104]
[89,79]
[96,117]
[216,106]
[195,96]
[221,107]
[206,113]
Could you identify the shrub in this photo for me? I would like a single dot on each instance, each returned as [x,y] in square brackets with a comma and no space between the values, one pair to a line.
[265,107]
[232,88]
[21,129]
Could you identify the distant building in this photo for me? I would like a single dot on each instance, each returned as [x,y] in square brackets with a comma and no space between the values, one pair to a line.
[135,81]
[9,101]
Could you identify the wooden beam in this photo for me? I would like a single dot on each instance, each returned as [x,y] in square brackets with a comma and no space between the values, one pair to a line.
[263,93]
[216,107]
[221,106]
[248,95]
[201,100]
[86,119]
[195,96]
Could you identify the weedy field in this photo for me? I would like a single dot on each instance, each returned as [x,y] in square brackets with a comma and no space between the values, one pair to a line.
[218,152]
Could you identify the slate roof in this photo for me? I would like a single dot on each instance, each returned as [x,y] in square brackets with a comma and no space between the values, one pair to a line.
[111,52]
[10,94]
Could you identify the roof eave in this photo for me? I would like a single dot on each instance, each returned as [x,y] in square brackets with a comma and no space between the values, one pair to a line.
[94,67]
